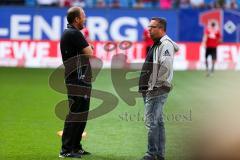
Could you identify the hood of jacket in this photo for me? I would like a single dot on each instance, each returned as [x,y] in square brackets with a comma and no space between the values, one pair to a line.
[175,46]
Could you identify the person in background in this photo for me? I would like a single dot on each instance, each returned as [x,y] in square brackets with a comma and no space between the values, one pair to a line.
[197,3]
[115,4]
[85,33]
[211,39]
[101,4]
[184,4]
[12,2]
[148,42]
[48,3]
[138,4]
[231,4]
[151,3]
[165,4]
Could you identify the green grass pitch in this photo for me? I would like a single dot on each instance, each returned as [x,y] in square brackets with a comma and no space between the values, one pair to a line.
[28,122]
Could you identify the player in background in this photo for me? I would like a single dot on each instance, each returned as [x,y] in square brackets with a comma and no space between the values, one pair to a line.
[147,40]
[211,40]
[85,32]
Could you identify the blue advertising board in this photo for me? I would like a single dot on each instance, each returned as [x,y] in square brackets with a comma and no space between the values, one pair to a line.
[103,24]
[186,25]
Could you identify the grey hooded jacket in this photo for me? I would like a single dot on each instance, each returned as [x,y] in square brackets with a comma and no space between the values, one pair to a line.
[162,69]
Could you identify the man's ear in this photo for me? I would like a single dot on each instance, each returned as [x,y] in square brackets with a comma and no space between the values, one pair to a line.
[76,19]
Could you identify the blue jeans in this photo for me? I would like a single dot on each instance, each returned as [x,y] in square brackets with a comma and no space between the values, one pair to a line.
[154,122]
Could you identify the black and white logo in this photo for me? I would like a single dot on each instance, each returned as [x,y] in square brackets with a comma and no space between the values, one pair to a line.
[166,53]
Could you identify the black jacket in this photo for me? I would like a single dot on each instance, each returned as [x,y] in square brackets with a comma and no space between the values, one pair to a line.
[77,65]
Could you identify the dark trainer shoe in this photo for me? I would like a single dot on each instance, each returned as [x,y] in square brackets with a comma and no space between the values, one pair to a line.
[159,158]
[146,157]
[83,152]
[70,155]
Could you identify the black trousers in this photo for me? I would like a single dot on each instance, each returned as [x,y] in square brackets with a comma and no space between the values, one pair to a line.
[75,122]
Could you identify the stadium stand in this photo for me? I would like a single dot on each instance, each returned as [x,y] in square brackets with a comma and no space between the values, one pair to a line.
[162,4]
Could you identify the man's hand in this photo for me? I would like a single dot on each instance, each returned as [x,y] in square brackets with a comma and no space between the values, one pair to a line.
[88,51]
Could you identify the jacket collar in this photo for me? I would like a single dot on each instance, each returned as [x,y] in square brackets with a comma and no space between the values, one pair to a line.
[163,38]
[157,42]
[160,40]
[71,26]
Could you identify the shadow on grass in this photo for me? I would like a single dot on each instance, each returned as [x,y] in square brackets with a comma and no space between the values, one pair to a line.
[109,157]
[55,157]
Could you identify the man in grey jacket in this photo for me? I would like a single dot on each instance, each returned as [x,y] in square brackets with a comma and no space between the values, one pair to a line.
[155,84]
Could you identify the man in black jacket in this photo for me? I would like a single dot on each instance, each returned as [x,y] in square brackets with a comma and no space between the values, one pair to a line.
[75,52]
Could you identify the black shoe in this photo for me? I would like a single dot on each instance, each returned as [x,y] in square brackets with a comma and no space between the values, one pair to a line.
[83,152]
[147,157]
[159,158]
[70,155]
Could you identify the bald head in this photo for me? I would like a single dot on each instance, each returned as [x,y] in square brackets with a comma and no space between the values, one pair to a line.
[76,17]
[72,13]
